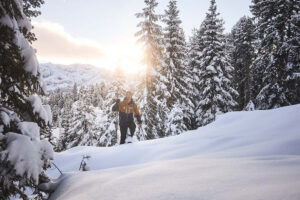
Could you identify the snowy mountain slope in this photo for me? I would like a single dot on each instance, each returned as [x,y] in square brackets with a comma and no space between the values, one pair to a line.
[64,76]
[243,155]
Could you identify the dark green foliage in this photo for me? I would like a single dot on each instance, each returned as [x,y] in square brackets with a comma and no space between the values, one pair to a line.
[242,53]
[177,73]
[213,73]
[16,85]
[278,57]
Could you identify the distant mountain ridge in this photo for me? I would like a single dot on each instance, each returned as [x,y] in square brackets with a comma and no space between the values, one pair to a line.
[64,76]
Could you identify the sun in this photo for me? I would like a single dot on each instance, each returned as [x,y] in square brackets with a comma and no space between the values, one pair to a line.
[127,56]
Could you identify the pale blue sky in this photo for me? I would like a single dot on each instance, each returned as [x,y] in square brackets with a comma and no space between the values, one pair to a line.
[109,20]
[101,32]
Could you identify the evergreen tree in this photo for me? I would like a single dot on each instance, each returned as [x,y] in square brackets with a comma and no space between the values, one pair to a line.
[294,55]
[115,90]
[95,96]
[53,99]
[139,98]
[65,117]
[23,156]
[214,73]
[154,84]
[278,58]
[75,92]
[177,74]
[195,48]
[101,93]
[81,131]
[242,53]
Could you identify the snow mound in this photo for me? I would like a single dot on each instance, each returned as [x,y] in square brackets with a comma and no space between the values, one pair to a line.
[242,155]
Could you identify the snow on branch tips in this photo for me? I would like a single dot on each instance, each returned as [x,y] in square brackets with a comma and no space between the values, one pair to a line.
[44,111]
[26,152]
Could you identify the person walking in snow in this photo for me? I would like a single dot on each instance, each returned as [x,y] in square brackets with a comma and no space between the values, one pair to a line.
[127,108]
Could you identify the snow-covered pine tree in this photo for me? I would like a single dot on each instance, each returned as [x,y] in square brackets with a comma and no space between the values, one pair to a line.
[278,58]
[78,121]
[153,104]
[101,93]
[140,100]
[53,99]
[95,96]
[195,47]
[75,92]
[90,95]
[215,72]
[23,156]
[294,55]
[177,73]
[82,131]
[46,131]
[189,81]
[241,54]
[65,116]
[111,133]
[60,97]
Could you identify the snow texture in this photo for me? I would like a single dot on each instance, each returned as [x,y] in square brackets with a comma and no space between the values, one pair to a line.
[242,155]
[5,118]
[30,129]
[64,76]
[250,106]
[26,151]
[52,185]
[44,111]
[30,61]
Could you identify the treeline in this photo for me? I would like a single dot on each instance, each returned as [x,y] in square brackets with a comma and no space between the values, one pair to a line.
[255,66]
[83,116]
[187,83]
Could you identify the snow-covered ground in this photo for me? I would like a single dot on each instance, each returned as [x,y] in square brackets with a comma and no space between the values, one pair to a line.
[242,155]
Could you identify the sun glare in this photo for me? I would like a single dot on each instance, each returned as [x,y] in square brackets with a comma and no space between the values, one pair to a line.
[126,56]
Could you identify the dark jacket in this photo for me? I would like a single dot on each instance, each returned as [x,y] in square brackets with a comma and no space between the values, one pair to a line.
[126,111]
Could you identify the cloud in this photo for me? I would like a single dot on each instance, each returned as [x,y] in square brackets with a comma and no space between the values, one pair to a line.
[55,44]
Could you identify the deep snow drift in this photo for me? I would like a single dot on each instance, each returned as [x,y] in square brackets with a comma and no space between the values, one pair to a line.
[242,155]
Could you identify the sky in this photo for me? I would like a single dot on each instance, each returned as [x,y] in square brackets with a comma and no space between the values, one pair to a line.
[101,32]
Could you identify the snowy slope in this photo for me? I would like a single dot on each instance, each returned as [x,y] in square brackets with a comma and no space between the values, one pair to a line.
[243,155]
[64,76]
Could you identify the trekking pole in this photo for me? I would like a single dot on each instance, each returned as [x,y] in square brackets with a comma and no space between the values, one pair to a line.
[117,121]
[56,167]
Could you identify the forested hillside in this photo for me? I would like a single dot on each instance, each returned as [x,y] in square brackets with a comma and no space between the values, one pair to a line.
[189,81]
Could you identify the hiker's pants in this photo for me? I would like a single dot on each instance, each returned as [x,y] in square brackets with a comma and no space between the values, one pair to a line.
[124,128]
